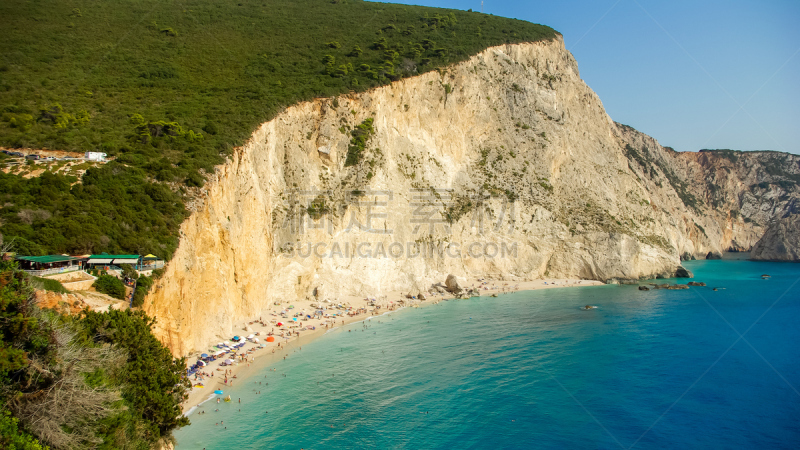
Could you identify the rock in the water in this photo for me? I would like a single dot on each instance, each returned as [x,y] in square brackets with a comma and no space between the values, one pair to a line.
[781,241]
[644,288]
[682,272]
[714,255]
[452,284]
[686,256]
[678,286]
[696,283]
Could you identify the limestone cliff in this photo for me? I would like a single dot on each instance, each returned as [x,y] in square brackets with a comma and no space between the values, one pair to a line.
[780,242]
[728,196]
[505,164]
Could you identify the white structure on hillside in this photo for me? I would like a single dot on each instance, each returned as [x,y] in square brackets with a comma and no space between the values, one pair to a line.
[95,156]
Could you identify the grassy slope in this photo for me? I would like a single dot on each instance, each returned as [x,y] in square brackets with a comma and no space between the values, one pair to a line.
[170,87]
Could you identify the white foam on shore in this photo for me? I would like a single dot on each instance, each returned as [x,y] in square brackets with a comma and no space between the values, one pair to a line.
[191,410]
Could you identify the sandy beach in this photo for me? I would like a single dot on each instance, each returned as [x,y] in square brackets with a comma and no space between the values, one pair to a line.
[253,358]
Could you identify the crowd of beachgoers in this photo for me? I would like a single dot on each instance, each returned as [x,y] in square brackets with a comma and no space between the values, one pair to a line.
[280,329]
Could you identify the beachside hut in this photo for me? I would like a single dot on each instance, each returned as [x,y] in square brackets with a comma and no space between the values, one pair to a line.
[150,262]
[49,264]
[106,261]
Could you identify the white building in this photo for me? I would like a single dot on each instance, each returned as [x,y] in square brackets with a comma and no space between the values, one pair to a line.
[95,156]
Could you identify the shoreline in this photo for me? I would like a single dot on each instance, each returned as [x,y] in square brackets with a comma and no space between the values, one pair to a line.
[259,358]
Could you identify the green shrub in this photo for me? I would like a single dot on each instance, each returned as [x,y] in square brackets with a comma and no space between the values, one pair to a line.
[111,285]
[115,209]
[24,247]
[11,437]
[129,271]
[358,143]
[49,284]
[143,286]
[129,383]
[153,382]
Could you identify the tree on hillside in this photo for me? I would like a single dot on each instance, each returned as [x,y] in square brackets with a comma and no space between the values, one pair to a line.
[111,285]
[101,382]
[44,367]
[12,437]
[153,381]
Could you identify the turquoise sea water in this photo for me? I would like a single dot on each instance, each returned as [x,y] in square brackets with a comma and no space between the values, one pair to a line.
[658,369]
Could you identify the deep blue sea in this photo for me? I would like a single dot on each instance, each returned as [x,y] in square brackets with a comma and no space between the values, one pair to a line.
[659,369]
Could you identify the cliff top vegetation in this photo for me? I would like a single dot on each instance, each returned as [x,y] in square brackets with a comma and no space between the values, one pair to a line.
[170,88]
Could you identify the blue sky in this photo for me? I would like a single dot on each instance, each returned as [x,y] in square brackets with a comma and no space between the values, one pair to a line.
[692,74]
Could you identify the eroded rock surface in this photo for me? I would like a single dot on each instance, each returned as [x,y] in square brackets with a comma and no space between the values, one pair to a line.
[781,241]
[504,165]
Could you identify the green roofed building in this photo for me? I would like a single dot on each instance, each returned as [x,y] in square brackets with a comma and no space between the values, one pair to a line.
[104,259]
[49,264]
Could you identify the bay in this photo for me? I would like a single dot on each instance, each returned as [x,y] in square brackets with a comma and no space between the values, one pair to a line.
[692,368]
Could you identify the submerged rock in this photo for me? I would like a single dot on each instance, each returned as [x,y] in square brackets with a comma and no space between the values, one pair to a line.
[678,286]
[644,288]
[696,283]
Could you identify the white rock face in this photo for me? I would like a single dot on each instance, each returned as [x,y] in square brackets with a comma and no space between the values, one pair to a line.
[505,165]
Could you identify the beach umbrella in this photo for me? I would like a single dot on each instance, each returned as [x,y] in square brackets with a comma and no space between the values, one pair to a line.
[294,318]
[201,363]
[204,355]
[279,324]
[236,338]
[255,340]
[251,336]
[270,339]
[228,361]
